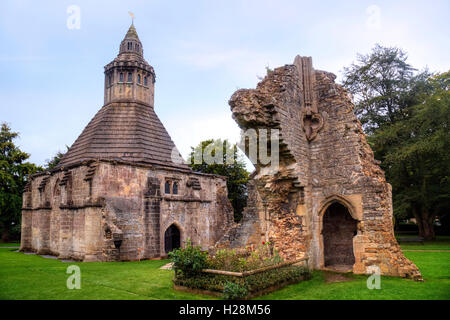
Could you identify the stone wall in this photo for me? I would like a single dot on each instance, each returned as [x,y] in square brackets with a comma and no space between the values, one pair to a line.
[324,159]
[79,212]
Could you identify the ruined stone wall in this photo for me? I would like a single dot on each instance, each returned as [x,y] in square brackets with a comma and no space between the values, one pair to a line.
[324,158]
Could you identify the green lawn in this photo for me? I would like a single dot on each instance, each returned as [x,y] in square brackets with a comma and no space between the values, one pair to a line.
[34,277]
[9,244]
[441,243]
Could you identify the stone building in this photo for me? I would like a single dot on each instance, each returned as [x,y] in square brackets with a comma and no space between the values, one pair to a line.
[328,199]
[120,192]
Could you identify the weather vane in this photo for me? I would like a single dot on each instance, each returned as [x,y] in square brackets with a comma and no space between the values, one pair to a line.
[132,16]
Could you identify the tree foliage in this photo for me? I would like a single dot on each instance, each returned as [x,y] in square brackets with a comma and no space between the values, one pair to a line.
[237,175]
[383,85]
[415,155]
[406,115]
[13,173]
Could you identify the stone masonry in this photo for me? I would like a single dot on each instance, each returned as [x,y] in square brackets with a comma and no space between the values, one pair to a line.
[328,199]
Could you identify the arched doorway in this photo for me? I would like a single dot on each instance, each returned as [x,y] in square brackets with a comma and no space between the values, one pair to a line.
[172,238]
[338,231]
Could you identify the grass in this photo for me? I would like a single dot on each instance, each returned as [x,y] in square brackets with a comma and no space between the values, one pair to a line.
[34,277]
[441,243]
[9,244]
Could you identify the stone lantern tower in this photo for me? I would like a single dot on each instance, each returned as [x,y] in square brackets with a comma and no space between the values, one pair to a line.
[129,77]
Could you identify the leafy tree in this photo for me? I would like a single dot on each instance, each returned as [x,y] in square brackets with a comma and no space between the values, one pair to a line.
[237,175]
[383,85]
[416,158]
[50,164]
[405,114]
[13,172]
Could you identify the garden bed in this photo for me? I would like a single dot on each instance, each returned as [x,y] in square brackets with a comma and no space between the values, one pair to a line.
[261,272]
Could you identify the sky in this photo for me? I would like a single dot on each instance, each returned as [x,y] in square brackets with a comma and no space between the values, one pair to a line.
[53,53]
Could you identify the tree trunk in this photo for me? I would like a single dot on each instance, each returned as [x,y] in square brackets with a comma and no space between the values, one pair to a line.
[428,229]
[425,222]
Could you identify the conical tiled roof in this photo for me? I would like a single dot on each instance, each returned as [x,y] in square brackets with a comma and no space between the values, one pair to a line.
[129,132]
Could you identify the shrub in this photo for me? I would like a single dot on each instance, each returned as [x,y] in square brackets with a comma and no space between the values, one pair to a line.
[188,261]
[233,291]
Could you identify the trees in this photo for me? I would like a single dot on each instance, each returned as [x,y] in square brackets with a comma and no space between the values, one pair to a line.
[237,175]
[406,116]
[416,158]
[383,85]
[13,172]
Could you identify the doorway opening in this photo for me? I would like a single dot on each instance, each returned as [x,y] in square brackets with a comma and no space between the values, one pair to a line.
[172,238]
[338,231]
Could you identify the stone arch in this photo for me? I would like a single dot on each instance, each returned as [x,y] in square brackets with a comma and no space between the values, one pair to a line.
[338,226]
[352,208]
[172,237]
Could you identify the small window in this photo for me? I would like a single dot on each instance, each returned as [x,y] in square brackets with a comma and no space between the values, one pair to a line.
[145,81]
[130,45]
[139,78]
[167,187]
[109,80]
[175,188]
[121,77]
[137,47]
[130,75]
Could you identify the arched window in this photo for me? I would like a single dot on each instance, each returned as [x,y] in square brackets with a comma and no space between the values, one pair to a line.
[175,188]
[145,81]
[167,187]
[121,77]
[137,47]
[139,78]
[130,45]
[130,75]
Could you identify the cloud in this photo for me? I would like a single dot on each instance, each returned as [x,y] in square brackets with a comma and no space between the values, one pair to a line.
[242,63]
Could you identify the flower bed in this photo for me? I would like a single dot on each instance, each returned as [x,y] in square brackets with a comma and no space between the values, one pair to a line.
[235,275]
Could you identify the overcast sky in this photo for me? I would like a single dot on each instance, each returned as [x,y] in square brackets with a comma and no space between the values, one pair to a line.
[51,81]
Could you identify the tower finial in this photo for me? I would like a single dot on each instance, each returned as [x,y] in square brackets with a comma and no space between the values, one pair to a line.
[132,17]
